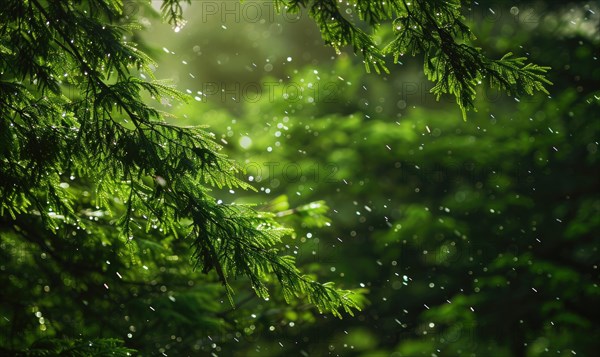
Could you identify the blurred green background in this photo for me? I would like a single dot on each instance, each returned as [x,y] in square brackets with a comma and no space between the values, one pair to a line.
[472,238]
[469,238]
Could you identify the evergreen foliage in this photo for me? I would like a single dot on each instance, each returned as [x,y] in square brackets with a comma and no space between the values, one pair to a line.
[83,156]
[435,29]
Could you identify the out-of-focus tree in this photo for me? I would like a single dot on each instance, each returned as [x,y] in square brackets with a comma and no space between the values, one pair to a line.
[476,238]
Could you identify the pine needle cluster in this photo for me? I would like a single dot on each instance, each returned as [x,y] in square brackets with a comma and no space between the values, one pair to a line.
[434,29]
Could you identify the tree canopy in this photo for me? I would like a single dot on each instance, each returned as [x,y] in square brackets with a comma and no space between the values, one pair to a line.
[108,205]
